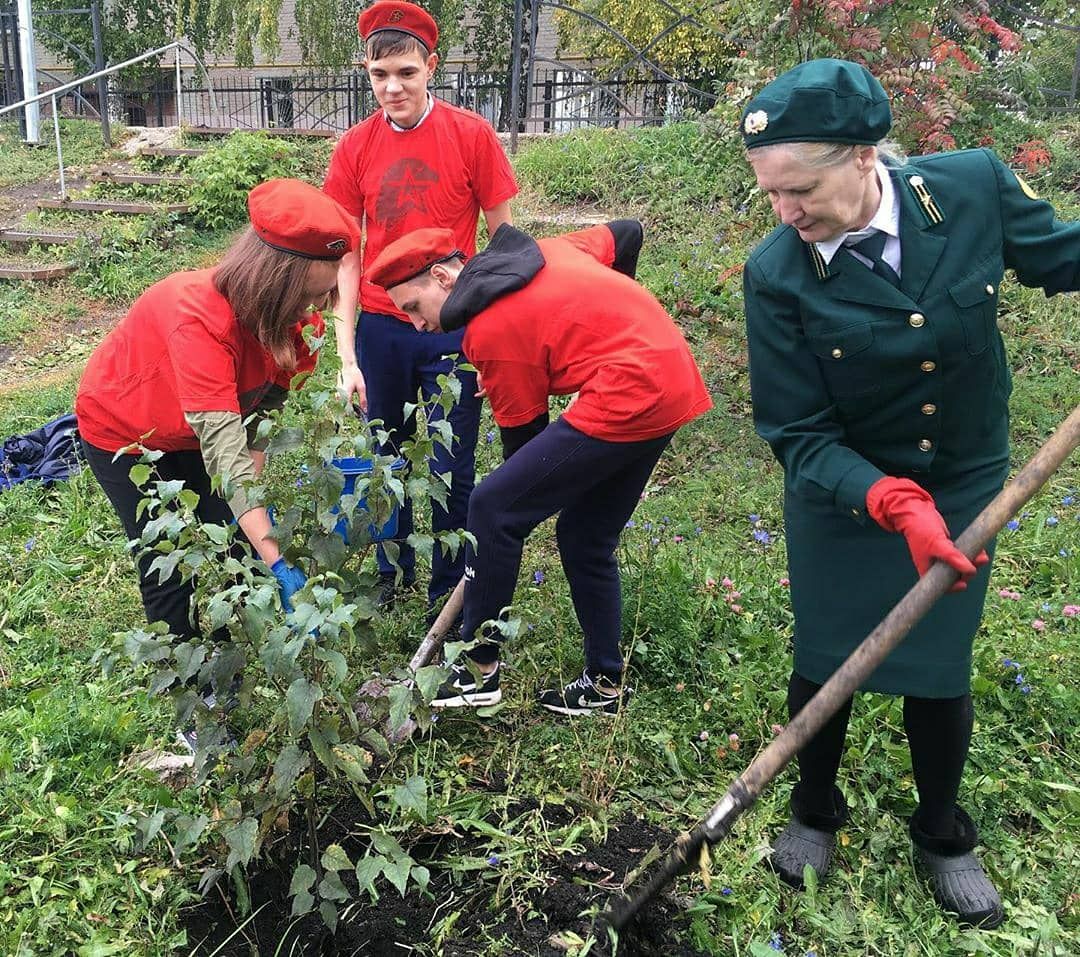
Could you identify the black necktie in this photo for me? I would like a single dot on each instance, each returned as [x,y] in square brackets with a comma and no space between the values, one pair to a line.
[871,248]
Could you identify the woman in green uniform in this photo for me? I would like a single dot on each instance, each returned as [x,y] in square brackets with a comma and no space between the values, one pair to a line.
[879,379]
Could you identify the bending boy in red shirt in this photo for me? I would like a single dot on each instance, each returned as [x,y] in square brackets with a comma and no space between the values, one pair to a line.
[416,162]
[545,318]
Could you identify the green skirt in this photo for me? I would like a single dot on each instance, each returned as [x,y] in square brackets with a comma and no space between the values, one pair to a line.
[846,577]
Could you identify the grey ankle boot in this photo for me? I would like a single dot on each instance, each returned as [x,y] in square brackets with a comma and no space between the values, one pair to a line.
[808,839]
[957,879]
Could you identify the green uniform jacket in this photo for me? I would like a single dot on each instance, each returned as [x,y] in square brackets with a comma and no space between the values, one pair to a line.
[853,379]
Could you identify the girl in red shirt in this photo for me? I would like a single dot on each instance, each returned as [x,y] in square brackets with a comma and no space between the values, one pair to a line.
[195,362]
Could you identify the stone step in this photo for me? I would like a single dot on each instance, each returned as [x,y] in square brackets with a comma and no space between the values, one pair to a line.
[21,237]
[28,271]
[105,206]
[142,179]
[269,131]
[171,151]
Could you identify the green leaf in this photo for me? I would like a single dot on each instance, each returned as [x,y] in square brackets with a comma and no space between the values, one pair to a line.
[400,705]
[321,747]
[286,441]
[240,839]
[353,761]
[139,474]
[189,659]
[149,827]
[421,876]
[302,903]
[218,534]
[397,872]
[367,869]
[412,795]
[428,680]
[189,830]
[303,879]
[334,858]
[329,914]
[328,549]
[339,667]
[300,702]
[387,846]
[290,762]
[332,889]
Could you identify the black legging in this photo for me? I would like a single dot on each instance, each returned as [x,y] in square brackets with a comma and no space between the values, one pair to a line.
[170,600]
[938,731]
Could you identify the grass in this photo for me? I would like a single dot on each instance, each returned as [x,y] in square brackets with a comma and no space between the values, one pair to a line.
[20,164]
[709,677]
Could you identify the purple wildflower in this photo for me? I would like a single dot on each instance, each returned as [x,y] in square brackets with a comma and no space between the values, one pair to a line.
[1051,520]
[630,523]
[776,942]
[493,861]
[754,519]
[726,891]
[538,577]
[1025,689]
[1012,524]
[1019,679]
[1068,500]
[762,536]
[30,542]
[655,541]
[489,436]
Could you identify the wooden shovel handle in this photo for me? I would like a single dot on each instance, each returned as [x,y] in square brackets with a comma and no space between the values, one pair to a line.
[434,638]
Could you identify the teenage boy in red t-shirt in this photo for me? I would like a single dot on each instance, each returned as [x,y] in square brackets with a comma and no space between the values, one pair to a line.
[417,162]
[553,317]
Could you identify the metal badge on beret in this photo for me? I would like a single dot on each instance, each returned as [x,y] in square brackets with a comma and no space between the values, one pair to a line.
[755,122]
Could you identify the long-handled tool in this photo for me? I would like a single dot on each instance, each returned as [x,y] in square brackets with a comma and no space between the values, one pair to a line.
[851,674]
[377,687]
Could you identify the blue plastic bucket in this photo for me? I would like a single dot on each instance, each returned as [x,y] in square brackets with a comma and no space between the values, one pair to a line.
[352,469]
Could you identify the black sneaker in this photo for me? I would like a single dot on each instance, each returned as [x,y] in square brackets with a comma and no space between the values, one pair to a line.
[583,697]
[390,591]
[461,690]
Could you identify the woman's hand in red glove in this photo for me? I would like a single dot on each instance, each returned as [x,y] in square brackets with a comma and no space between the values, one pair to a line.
[900,505]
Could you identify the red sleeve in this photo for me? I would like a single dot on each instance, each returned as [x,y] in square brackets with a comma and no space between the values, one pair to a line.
[204,368]
[342,178]
[596,241]
[517,391]
[492,176]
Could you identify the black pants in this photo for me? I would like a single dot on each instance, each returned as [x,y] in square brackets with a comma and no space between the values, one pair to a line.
[939,733]
[594,487]
[170,600]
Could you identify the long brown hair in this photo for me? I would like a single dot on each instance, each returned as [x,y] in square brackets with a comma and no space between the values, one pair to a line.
[265,288]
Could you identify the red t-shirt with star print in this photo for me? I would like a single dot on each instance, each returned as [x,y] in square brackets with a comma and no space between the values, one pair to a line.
[440,173]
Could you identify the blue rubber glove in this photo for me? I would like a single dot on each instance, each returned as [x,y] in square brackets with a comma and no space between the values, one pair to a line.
[290,581]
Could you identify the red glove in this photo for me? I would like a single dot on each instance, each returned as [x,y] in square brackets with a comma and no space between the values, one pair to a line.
[899,505]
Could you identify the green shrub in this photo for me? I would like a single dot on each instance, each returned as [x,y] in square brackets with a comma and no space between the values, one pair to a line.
[227,172]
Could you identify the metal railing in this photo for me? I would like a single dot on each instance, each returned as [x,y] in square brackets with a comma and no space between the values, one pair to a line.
[59,91]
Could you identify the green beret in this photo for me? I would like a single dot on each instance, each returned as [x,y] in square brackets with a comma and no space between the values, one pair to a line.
[823,101]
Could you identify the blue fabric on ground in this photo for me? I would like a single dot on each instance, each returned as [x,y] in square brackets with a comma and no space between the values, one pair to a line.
[48,454]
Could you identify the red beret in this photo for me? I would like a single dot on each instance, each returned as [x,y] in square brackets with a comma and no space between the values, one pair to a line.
[406,258]
[399,15]
[301,219]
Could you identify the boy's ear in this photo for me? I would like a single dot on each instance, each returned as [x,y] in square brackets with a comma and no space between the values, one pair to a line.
[432,62]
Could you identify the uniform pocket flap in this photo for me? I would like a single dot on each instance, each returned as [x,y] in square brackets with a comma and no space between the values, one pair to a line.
[842,343]
[972,291]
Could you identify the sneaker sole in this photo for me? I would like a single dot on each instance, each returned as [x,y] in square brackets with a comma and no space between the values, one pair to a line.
[478,700]
[574,712]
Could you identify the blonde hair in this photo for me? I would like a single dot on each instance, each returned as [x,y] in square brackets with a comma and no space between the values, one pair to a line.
[822,155]
[265,288]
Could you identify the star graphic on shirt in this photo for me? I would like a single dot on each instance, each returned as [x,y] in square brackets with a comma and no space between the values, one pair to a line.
[403,192]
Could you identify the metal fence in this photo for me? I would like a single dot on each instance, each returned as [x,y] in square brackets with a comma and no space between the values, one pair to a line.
[559,100]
